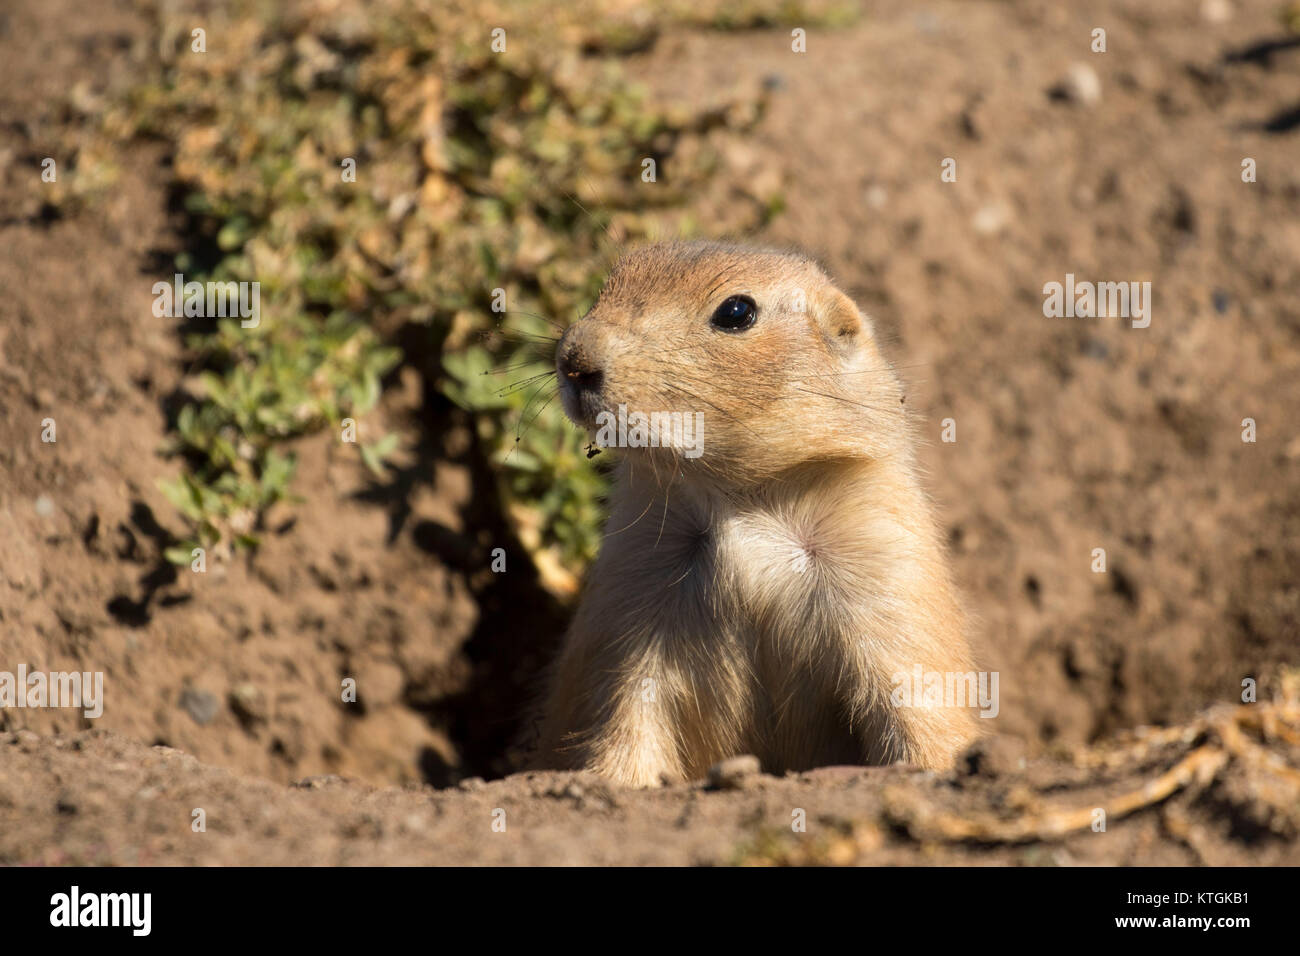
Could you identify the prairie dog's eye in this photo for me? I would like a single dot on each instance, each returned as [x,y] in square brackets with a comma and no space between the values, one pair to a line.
[736,314]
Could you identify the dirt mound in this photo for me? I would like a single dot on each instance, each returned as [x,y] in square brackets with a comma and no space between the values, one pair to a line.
[1222,790]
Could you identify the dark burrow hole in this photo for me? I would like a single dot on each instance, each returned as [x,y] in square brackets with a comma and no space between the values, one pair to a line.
[520,623]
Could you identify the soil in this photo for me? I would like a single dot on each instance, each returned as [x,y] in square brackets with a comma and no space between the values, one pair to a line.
[1072,435]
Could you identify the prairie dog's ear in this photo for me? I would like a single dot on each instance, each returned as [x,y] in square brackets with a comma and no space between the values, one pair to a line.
[843,325]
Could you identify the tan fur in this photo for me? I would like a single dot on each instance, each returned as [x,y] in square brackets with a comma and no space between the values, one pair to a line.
[758,598]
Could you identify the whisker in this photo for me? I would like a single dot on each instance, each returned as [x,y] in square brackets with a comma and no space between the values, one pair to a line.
[870,371]
[522,384]
[720,280]
[551,322]
[500,370]
[663,519]
[512,334]
[690,566]
[519,435]
[696,398]
[633,522]
[602,229]
[841,398]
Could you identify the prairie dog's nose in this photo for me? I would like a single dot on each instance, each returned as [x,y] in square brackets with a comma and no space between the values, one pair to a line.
[576,364]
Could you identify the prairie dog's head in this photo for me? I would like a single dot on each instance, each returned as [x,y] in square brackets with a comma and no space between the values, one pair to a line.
[742,362]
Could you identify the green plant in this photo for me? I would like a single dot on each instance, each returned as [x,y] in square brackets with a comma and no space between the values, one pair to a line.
[258,391]
[476,174]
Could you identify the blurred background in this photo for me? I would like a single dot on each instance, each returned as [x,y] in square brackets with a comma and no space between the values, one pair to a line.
[382,171]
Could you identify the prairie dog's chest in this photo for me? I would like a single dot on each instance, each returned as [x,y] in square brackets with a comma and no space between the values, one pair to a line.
[738,566]
[780,567]
[818,567]
[796,565]
[764,550]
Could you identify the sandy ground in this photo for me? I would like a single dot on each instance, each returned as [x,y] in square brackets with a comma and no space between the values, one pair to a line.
[1072,434]
[1206,796]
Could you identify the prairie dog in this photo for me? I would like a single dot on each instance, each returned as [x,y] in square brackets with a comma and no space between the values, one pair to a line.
[760,591]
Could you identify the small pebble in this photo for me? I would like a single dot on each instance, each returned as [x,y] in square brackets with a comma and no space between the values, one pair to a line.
[200,705]
[991,219]
[248,703]
[1216,11]
[1096,349]
[1079,85]
[318,782]
[994,756]
[734,773]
